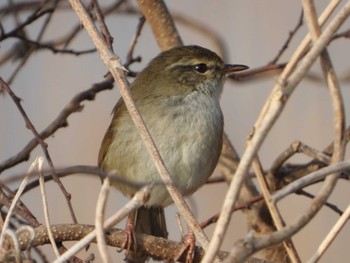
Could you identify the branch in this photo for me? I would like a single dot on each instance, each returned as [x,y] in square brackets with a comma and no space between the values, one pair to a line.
[331,236]
[273,210]
[283,89]
[137,201]
[43,145]
[163,27]
[309,179]
[6,223]
[30,19]
[50,46]
[289,39]
[61,121]
[116,238]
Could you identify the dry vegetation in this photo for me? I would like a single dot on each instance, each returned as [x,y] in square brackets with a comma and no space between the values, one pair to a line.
[254,189]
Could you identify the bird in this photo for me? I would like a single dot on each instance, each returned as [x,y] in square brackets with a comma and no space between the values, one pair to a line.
[178,97]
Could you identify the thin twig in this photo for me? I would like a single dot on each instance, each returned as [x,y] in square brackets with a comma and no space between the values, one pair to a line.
[239,206]
[129,57]
[289,39]
[32,168]
[344,34]
[275,213]
[99,219]
[331,206]
[305,43]
[45,206]
[309,179]
[27,55]
[271,111]
[35,16]
[102,24]
[50,46]
[21,209]
[137,201]
[43,145]
[331,236]
[47,20]
[216,179]
[298,147]
[78,169]
[254,244]
[292,172]
[59,122]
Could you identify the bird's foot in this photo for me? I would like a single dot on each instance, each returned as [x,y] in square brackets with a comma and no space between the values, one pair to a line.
[130,240]
[189,246]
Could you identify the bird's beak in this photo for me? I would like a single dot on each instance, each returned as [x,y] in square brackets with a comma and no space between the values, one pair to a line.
[233,68]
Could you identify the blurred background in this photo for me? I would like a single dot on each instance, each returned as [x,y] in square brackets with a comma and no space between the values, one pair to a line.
[252,31]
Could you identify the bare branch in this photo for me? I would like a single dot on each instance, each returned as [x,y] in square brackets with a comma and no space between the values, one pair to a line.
[59,122]
[6,223]
[137,201]
[45,207]
[309,179]
[164,30]
[272,109]
[275,213]
[331,236]
[289,39]
[99,219]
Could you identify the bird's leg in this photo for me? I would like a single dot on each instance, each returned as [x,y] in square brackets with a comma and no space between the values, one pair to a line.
[130,234]
[189,246]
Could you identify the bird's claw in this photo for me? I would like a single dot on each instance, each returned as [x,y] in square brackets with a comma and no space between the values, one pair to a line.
[189,246]
[130,239]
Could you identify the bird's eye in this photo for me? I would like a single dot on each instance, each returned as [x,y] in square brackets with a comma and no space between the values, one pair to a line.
[201,68]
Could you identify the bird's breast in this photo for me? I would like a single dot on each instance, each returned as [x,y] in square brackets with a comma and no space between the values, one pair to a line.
[188,134]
